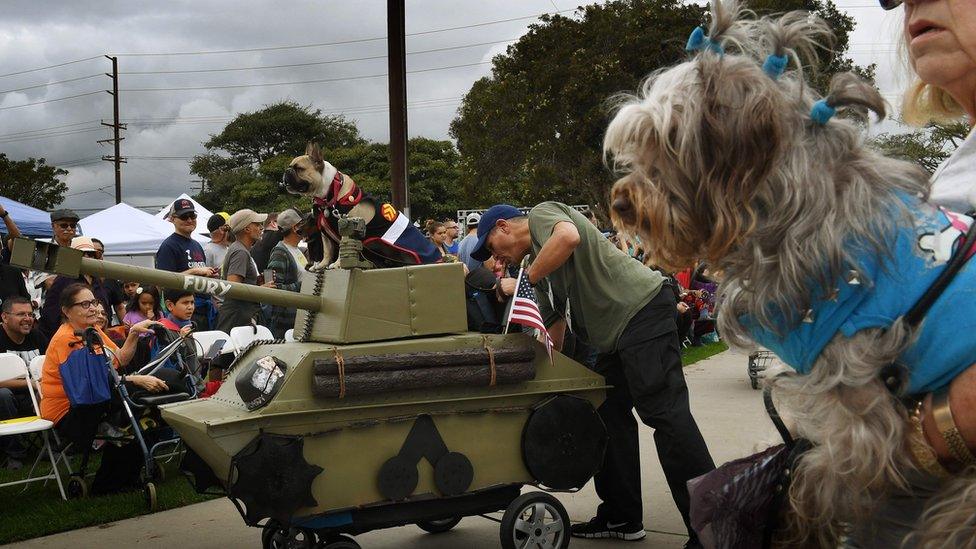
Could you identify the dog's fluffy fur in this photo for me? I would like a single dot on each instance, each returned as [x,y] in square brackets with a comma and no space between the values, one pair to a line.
[723,163]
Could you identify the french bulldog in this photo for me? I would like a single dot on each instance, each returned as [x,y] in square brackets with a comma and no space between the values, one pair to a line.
[391,239]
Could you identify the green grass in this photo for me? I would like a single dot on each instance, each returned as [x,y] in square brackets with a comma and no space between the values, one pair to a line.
[40,511]
[691,355]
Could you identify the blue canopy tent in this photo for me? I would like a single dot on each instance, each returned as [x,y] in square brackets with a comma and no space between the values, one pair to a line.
[30,221]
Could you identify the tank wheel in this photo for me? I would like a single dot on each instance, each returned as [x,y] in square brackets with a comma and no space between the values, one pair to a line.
[149,495]
[274,536]
[77,487]
[535,519]
[340,541]
[438,526]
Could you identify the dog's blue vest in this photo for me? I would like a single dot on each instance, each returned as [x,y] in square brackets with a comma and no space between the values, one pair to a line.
[946,344]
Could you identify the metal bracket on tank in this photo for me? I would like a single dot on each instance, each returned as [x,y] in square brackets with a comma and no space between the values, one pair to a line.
[352,231]
[305,333]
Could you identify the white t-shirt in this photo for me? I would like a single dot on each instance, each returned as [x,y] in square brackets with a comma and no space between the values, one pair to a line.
[954,183]
[300,259]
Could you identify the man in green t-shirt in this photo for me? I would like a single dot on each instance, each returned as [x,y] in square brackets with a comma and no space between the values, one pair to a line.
[615,304]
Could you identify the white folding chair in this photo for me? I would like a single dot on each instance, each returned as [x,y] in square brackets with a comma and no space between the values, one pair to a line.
[290,334]
[35,367]
[242,336]
[13,367]
[207,339]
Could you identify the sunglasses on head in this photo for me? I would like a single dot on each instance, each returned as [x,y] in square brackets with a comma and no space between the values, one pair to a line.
[187,216]
[67,225]
[890,4]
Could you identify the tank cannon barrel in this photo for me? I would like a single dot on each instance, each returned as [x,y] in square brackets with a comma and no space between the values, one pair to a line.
[51,258]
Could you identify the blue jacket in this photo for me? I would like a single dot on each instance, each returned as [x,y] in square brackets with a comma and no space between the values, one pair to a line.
[946,344]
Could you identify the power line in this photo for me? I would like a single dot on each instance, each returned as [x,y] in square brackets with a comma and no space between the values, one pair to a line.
[319,81]
[51,100]
[50,66]
[49,135]
[48,128]
[165,121]
[50,83]
[370,58]
[338,43]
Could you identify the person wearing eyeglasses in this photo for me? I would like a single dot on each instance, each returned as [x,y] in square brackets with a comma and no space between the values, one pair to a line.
[64,224]
[76,387]
[180,253]
[51,311]
[18,336]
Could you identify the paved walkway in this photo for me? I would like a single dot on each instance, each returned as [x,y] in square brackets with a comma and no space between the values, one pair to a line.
[729,413]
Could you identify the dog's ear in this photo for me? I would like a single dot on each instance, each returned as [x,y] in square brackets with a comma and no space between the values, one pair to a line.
[740,139]
[314,153]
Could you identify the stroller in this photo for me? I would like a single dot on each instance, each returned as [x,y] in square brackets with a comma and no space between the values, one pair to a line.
[141,410]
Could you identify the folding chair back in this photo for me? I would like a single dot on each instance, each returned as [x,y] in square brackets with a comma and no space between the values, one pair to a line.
[244,335]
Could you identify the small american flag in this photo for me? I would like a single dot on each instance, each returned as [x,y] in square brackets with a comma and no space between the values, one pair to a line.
[525,310]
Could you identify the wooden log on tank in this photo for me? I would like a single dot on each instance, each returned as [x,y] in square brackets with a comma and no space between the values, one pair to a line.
[371,383]
[424,359]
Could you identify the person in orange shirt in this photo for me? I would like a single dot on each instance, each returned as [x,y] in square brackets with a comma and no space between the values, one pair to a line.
[77,388]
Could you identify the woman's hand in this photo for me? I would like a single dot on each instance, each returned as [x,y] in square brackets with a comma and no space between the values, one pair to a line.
[150,383]
[143,327]
[962,401]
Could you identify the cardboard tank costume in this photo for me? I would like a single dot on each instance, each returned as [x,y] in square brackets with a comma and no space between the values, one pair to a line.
[384,412]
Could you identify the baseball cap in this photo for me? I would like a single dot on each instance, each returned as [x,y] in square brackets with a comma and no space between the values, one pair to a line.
[216,221]
[63,213]
[243,218]
[83,243]
[182,206]
[487,223]
[472,219]
[289,218]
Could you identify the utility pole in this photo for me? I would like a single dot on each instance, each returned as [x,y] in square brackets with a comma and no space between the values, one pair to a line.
[116,127]
[397,61]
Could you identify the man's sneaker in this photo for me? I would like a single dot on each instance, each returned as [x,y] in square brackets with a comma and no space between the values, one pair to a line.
[602,528]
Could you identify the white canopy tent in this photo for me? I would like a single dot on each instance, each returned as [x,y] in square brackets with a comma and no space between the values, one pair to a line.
[130,236]
[203,215]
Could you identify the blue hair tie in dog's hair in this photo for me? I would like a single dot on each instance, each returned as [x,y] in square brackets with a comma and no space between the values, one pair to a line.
[821,112]
[775,65]
[699,41]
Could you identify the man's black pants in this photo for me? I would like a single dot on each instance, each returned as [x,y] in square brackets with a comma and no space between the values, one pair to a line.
[646,374]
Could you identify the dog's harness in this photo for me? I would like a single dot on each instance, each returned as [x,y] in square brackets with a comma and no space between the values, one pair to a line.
[334,202]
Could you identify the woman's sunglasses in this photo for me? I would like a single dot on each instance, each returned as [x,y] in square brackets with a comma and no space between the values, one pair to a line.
[890,4]
[187,216]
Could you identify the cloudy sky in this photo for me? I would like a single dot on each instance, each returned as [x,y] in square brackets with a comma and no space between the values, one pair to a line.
[187,67]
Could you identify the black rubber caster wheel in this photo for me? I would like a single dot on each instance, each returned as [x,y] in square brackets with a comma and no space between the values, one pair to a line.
[535,520]
[438,526]
[340,541]
[274,536]
[77,488]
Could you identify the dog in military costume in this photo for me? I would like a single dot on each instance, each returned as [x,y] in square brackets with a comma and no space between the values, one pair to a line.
[391,239]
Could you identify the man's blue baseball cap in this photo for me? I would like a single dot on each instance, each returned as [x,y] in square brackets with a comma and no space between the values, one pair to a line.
[487,223]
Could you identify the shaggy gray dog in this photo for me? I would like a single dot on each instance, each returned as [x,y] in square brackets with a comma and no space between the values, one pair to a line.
[724,161]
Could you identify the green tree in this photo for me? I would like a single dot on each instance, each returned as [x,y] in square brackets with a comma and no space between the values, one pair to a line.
[244,162]
[32,182]
[282,128]
[928,147]
[533,130]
